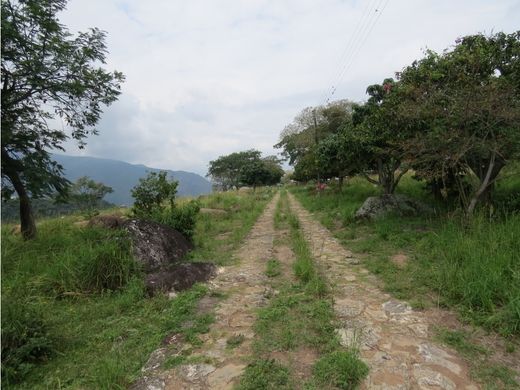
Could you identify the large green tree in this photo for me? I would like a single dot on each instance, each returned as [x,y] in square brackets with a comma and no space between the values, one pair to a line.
[48,76]
[465,106]
[300,139]
[245,168]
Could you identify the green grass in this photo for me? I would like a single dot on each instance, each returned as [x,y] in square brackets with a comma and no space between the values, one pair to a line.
[273,268]
[471,266]
[474,267]
[92,317]
[265,374]
[340,369]
[217,235]
[299,316]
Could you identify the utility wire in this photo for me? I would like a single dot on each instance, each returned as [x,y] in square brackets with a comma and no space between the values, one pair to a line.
[348,47]
[361,37]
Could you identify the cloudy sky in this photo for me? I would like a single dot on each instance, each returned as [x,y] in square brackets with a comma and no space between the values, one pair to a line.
[206,78]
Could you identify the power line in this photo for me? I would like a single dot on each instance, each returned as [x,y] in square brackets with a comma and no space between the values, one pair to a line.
[361,36]
[348,47]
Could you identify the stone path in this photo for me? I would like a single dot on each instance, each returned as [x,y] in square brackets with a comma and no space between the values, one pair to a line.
[246,289]
[394,340]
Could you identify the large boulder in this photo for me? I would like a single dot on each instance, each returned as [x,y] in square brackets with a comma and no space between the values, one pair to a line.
[378,206]
[156,246]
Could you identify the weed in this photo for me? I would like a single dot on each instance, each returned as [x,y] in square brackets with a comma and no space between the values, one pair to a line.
[265,374]
[273,268]
[340,369]
[459,340]
[235,340]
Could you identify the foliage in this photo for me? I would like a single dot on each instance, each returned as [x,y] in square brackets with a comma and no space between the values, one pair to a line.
[87,193]
[465,106]
[46,74]
[451,117]
[182,218]
[152,192]
[25,339]
[301,137]
[103,339]
[245,168]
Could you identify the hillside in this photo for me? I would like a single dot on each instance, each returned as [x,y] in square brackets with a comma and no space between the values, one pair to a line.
[122,176]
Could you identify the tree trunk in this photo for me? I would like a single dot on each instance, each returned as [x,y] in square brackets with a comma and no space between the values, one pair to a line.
[340,183]
[27,223]
[486,182]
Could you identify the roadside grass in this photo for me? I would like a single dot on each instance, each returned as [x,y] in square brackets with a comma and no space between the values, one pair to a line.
[299,316]
[217,235]
[470,266]
[74,309]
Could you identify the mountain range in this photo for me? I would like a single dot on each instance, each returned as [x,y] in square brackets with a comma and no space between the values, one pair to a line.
[122,176]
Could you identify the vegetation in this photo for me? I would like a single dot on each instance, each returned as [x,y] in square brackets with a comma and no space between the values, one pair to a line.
[451,117]
[471,266]
[74,309]
[299,316]
[217,235]
[46,74]
[246,168]
[87,194]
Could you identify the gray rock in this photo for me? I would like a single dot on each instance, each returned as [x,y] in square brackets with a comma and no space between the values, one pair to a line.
[156,246]
[377,206]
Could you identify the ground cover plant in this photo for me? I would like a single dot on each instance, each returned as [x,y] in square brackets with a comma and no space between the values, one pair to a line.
[74,309]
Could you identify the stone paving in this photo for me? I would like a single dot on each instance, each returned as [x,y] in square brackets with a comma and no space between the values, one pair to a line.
[246,289]
[394,340]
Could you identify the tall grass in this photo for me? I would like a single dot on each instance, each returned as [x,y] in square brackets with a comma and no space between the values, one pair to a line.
[473,265]
[74,309]
[477,268]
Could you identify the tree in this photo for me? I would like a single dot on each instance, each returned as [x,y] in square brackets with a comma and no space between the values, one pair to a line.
[245,168]
[88,193]
[465,104]
[47,75]
[375,135]
[261,171]
[152,192]
[299,140]
[226,170]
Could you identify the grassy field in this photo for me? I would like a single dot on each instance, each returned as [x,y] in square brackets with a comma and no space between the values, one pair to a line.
[74,311]
[442,259]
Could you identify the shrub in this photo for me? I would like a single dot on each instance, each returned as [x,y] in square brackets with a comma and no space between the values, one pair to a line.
[25,339]
[152,191]
[181,218]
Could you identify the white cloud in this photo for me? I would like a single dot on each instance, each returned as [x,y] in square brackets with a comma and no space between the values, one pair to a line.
[205,78]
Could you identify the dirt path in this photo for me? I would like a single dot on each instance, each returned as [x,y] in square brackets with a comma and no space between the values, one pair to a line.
[244,286]
[394,340]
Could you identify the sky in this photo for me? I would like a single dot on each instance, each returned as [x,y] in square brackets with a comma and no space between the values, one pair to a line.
[208,78]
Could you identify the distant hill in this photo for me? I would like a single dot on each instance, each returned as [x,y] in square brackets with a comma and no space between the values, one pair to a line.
[122,176]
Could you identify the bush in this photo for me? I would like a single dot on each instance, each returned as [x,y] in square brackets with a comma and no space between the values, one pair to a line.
[181,218]
[25,339]
[152,192]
